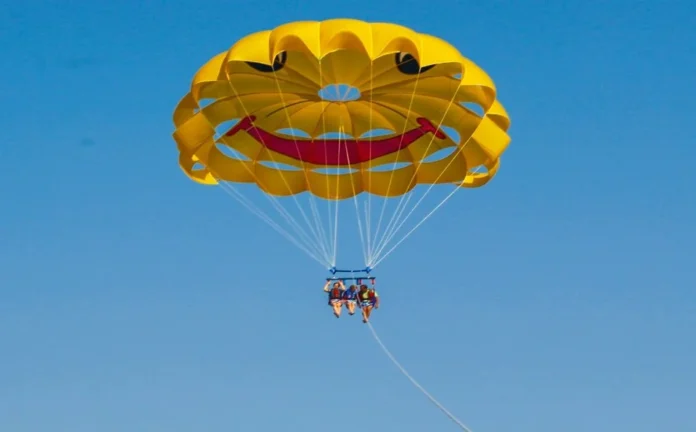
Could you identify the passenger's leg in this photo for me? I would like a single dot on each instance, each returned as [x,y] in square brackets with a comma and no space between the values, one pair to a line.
[366,313]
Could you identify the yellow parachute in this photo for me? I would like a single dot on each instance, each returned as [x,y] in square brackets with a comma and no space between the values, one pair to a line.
[332,107]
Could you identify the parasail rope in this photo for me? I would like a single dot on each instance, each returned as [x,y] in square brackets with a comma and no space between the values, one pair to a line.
[332,228]
[393,168]
[335,225]
[264,217]
[368,203]
[316,248]
[396,217]
[357,208]
[302,235]
[319,232]
[414,382]
[318,245]
[425,218]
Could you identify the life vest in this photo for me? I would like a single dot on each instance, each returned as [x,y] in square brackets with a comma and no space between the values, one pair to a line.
[336,293]
[367,295]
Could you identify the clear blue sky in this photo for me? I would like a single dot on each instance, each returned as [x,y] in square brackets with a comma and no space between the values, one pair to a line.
[132,299]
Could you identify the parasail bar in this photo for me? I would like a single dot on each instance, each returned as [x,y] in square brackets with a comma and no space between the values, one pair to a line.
[334,270]
[355,278]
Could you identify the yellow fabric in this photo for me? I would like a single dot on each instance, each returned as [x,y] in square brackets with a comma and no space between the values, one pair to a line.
[366,295]
[355,53]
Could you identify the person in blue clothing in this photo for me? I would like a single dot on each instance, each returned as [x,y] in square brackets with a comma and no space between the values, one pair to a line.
[335,295]
[350,298]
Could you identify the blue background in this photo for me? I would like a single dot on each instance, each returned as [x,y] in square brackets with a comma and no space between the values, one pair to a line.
[560,298]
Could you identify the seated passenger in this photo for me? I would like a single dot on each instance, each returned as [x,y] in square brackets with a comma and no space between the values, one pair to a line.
[335,295]
[368,299]
[350,297]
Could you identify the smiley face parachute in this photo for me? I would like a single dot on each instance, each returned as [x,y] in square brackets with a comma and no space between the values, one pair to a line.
[324,113]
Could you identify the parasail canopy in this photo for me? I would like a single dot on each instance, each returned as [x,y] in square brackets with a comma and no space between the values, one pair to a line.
[341,109]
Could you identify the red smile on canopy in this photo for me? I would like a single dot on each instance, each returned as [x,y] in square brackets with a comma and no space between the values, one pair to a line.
[323,151]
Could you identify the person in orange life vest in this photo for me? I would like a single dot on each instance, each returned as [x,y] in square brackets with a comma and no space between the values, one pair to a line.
[335,295]
[350,298]
[367,299]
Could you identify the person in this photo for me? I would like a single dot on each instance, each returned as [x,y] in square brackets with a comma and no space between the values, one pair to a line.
[368,299]
[335,295]
[350,297]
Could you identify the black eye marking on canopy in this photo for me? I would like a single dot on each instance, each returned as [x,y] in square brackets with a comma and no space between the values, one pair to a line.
[408,65]
[278,63]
